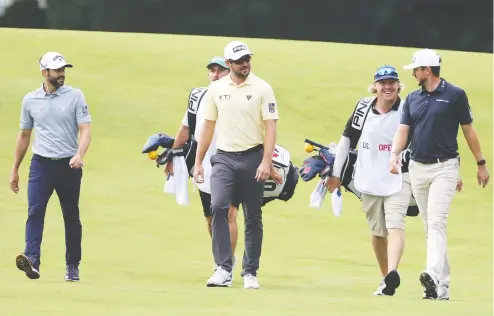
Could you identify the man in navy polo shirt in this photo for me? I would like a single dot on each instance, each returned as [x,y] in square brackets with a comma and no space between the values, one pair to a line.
[58,114]
[431,116]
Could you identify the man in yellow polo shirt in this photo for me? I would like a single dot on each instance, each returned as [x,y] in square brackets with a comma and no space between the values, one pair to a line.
[242,107]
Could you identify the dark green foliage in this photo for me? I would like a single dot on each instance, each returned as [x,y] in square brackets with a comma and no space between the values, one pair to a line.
[441,24]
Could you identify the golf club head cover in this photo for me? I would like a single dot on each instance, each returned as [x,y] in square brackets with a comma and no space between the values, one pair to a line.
[311,167]
[157,140]
[169,153]
[327,156]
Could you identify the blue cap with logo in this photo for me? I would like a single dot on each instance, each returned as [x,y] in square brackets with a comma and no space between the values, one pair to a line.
[386,72]
[217,60]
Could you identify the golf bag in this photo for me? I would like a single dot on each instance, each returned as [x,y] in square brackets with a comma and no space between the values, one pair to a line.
[195,98]
[289,173]
[322,165]
[188,150]
[346,176]
[272,191]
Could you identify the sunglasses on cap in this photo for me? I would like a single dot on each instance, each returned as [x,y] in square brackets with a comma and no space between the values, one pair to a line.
[240,61]
[386,73]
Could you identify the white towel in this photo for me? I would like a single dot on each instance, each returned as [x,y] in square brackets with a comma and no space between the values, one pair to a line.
[178,183]
[337,202]
[317,196]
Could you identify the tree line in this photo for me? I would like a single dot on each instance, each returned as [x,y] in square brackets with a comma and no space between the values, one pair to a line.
[441,24]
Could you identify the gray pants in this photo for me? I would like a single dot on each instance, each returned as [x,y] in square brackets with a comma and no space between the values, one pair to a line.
[234,174]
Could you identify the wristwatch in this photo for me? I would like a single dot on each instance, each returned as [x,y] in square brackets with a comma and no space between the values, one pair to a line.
[481,162]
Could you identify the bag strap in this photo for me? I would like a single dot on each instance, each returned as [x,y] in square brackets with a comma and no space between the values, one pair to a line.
[195,98]
[359,117]
[348,169]
[362,109]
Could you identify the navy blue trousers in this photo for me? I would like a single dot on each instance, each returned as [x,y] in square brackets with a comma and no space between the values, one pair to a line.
[45,177]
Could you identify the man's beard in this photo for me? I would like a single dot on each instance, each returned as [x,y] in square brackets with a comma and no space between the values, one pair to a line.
[421,82]
[55,81]
[239,74]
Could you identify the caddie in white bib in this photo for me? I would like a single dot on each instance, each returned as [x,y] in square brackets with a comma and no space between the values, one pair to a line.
[371,169]
[386,197]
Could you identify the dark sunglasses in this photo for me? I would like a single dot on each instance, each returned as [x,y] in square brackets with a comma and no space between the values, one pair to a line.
[240,61]
[386,72]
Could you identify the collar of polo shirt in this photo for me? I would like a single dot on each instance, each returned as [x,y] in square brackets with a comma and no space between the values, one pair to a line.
[42,91]
[247,81]
[440,88]
[395,107]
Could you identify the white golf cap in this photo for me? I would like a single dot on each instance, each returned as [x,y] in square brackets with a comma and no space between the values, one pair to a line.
[236,50]
[424,58]
[53,60]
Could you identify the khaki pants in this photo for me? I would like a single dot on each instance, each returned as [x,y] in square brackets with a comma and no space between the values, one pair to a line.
[434,186]
[387,212]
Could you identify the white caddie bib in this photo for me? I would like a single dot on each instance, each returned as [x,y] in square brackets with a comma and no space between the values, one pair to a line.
[372,175]
[196,105]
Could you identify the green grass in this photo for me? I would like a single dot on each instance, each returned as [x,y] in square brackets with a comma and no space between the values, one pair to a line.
[144,255]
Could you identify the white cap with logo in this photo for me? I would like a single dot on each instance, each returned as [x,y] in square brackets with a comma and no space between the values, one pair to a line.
[53,60]
[424,58]
[236,50]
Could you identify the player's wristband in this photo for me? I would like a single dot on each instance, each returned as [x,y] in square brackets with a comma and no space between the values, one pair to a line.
[481,162]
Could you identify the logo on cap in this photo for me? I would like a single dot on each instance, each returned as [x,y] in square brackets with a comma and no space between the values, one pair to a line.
[239,48]
[58,57]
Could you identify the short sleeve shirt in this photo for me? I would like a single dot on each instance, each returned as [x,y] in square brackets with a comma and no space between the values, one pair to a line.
[240,111]
[55,118]
[434,118]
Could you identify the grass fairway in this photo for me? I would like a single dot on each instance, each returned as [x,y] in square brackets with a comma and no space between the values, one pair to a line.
[144,255]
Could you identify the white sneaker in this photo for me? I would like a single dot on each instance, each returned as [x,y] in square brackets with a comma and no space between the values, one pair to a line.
[380,288]
[443,292]
[220,278]
[250,282]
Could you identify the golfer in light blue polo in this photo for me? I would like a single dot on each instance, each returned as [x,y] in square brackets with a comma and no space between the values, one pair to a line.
[60,118]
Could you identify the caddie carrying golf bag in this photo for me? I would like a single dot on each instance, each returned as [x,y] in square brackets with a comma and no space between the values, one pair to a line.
[322,165]
[272,191]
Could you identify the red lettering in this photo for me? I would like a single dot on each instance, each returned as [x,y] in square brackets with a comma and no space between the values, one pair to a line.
[384,147]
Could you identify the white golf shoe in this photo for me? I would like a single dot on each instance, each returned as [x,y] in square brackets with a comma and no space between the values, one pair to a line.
[443,292]
[220,278]
[250,282]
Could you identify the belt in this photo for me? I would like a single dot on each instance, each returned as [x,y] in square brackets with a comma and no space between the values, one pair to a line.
[250,150]
[437,160]
[49,158]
